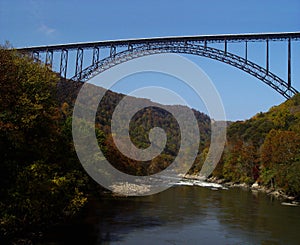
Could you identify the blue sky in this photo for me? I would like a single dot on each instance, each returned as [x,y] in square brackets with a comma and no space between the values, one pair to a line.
[30,23]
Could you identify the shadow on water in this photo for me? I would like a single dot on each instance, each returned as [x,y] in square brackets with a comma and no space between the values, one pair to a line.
[184,214]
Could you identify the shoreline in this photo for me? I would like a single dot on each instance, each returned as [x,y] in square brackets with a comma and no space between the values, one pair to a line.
[271,192]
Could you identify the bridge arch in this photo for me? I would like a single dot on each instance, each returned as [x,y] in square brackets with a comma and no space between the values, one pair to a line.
[241,63]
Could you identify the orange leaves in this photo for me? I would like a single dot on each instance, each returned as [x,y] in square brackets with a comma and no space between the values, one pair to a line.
[280,147]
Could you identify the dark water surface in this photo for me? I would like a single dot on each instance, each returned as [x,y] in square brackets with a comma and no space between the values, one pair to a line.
[185,215]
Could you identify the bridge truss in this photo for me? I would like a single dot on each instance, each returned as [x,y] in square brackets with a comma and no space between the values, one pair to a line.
[119,51]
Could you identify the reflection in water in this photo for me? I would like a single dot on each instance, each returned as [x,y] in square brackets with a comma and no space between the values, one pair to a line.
[186,215]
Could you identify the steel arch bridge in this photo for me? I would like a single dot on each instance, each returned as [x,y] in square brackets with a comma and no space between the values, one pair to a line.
[196,45]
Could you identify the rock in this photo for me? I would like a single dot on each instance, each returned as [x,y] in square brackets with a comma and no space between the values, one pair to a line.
[255,185]
[220,181]
[290,198]
[243,185]
[129,189]
[193,177]
[230,184]
[293,204]
[275,193]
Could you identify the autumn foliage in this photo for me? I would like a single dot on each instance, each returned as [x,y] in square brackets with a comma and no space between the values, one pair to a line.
[265,149]
[41,182]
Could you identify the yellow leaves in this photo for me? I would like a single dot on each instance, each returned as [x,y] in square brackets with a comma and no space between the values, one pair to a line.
[59,181]
[65,108]
[27,120]
[38,170]
[33,166]
[38,98]
[78,201]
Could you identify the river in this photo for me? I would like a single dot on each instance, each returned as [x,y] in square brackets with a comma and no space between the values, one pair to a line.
[184,214]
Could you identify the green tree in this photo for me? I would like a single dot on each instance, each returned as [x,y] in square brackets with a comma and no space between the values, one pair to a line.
[39,182]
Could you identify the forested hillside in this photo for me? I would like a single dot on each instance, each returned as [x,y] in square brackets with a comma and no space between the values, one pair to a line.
[265,149]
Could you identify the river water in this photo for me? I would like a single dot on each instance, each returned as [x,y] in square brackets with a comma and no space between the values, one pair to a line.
[185,215]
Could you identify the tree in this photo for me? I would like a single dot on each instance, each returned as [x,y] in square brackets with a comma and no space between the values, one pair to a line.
[39,182]
[280,150]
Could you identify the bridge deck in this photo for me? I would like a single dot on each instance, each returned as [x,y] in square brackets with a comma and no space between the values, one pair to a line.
[203,38]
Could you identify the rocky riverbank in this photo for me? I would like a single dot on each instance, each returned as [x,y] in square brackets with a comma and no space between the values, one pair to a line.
[277,193]
[272,192]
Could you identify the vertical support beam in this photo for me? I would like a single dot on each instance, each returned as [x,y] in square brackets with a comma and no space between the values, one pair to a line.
[246,51]
[49,58]
[130,47]
[225,47]
[205,44]
[63,63]
[113,51]
[79,61]
[96,55]
[35,56]
[267,56]
[289,64]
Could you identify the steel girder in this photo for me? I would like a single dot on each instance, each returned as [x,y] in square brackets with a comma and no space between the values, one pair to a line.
[79,62]
[263,74]
[206,39]
[49,58]
[63,63]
